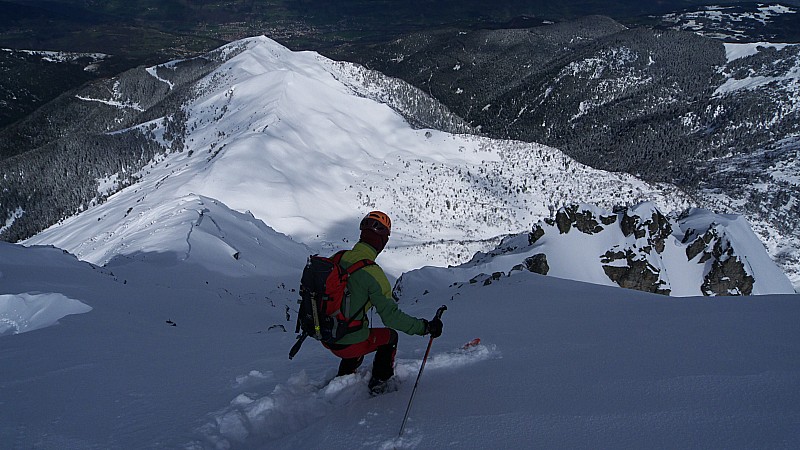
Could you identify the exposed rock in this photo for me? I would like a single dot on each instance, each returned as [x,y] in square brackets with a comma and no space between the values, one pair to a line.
[637,274]
[586,223]
[695,248]
[660,229]
[475,279]
[688,234]
[495,276]
[627,224]
[583,220]
[611,256]
[656,228]
[701,244]
[608,220]
[563,222]
[630,225]
[727,275]
[537,264]
[536,233]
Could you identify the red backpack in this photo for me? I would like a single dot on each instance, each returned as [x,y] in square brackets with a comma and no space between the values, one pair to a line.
[325,301]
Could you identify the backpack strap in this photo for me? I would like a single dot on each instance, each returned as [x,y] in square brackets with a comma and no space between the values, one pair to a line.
[358,265]
[337,258]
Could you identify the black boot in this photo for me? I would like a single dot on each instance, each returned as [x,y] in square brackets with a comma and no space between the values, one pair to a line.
[383,365]
[377,386]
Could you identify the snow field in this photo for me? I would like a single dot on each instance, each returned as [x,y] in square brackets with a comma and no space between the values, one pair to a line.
[563,364]
[734,51]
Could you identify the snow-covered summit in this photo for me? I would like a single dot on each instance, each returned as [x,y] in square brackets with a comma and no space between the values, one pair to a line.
[308,145]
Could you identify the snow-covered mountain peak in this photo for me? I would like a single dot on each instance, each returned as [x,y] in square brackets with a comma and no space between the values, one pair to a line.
[309,145]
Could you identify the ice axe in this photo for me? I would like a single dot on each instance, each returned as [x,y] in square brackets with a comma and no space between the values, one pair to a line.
[439,313]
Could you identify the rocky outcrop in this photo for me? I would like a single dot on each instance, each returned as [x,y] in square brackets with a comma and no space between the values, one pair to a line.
[641,248]
[583,220]
[692,253]
[536,232]
[627,265]
[727,274]
[537,264]
[635,272]
[655,228]
[727,277]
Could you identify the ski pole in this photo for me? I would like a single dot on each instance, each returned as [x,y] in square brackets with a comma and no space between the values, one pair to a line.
[439,313]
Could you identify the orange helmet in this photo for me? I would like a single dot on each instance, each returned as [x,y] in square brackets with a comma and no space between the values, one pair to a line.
[377,221]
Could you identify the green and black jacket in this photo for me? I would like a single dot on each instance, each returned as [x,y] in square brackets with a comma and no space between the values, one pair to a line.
[369,287]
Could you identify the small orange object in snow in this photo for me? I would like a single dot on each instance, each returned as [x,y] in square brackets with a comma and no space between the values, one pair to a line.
[471,343]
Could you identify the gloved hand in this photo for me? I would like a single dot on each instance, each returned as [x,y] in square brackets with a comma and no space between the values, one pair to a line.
[433,327]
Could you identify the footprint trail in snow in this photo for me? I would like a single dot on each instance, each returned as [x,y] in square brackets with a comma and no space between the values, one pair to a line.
[303,400]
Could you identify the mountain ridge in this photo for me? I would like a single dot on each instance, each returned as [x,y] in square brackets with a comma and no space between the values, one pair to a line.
[258,127]
[297,141]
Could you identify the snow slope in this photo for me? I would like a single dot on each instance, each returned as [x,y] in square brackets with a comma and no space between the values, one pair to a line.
[297,140]
[561,364]
[192,313]
[785,79]
[734,51]
[729,22]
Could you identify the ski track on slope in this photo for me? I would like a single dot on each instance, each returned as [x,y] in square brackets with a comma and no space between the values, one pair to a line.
[303,400]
